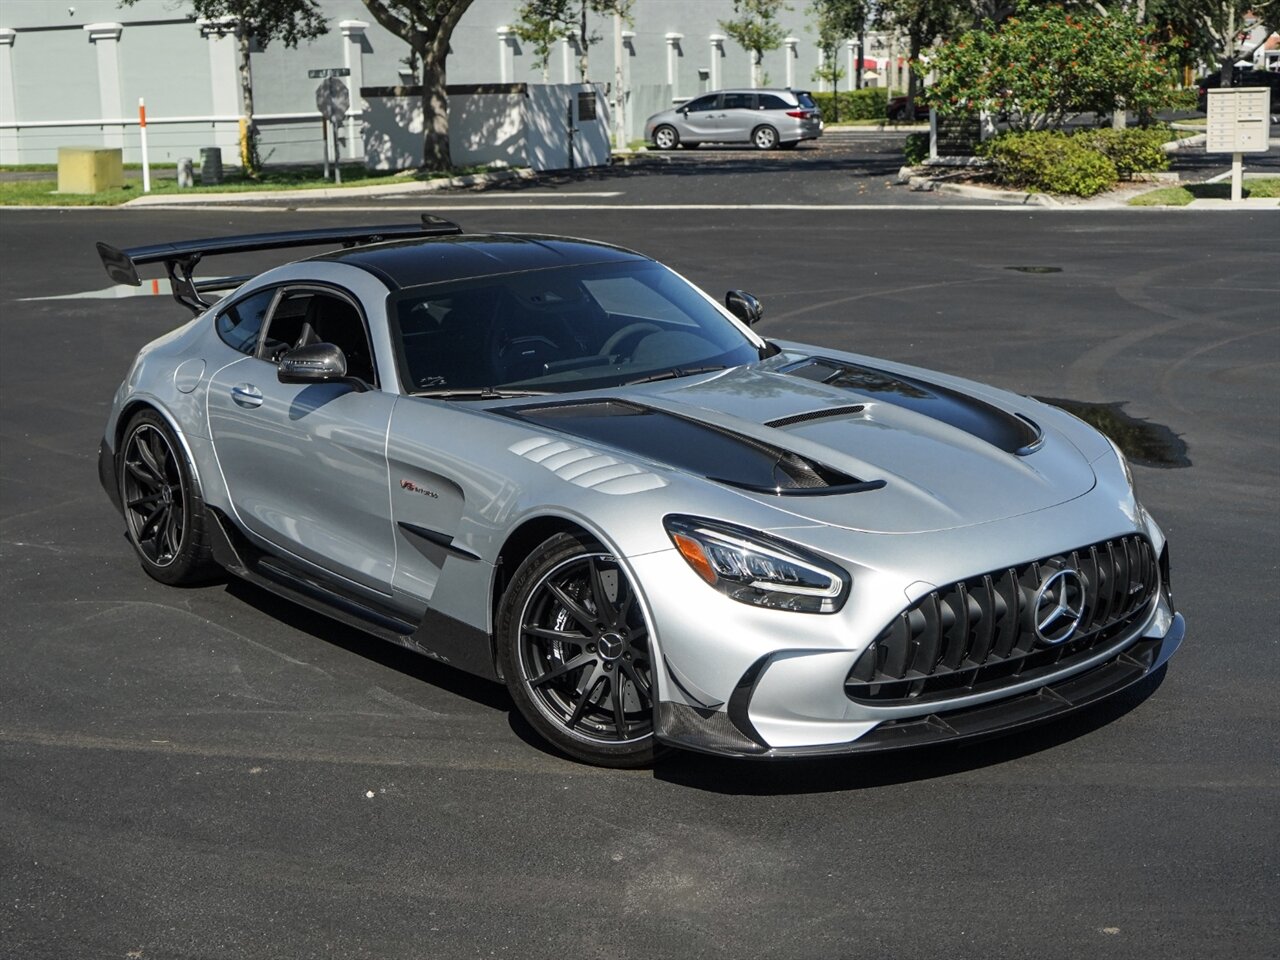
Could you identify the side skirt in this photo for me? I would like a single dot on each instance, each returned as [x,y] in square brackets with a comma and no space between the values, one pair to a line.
[437,636]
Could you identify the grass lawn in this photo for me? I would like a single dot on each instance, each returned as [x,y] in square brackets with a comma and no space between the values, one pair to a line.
[1180,196]
[42,192]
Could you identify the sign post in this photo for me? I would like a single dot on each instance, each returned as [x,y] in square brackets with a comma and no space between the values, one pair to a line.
[1239,123]
[333,100]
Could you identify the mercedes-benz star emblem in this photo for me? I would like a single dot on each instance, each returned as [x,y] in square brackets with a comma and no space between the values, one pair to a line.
[1059,606]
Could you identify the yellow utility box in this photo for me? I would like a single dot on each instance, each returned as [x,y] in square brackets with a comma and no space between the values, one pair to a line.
[89,169]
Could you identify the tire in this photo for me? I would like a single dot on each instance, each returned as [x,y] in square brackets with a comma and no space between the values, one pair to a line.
[164,515]
[574,649]
[666,137]
[764,138]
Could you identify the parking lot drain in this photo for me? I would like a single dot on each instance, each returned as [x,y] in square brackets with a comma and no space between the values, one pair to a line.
[1143,442]
[1030,269]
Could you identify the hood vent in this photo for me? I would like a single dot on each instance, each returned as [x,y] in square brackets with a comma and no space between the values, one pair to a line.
[1012,433]
[714,452]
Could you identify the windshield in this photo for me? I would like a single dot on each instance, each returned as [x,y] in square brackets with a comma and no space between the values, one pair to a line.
[559,330]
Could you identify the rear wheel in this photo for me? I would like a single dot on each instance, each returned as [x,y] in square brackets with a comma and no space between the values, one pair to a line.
[764,138]
[574,647]
[164,514]
[665,137]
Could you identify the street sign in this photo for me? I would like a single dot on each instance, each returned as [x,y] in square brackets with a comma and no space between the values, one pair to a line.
[333,100]
[329,72]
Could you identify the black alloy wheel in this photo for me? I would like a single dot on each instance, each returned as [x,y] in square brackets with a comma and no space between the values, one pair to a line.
[576,655]
[163,514]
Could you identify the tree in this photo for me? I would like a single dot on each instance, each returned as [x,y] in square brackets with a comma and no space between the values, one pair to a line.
[544,22]
[923,21]
[839,20]
[426,26]
[288,21]
[1212,28]
[1043,64]
[756,30]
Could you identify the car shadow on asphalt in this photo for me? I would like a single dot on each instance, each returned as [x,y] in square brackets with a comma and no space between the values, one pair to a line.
[718,774]
[833,774]
[484,692]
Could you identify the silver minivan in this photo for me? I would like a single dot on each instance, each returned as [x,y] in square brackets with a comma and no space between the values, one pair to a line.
[764,118]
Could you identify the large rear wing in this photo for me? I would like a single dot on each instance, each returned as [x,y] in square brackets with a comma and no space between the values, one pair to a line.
[180,258]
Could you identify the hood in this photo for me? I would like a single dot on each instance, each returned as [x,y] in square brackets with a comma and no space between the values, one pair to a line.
[838,443]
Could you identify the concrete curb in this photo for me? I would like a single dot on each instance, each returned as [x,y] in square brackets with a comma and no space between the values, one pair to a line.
[929,184]
[404,188]
[1177,146]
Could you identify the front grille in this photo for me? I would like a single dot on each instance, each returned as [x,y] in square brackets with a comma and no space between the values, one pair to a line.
[979,634]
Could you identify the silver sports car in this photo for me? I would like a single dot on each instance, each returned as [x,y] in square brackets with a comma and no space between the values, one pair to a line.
[558,464]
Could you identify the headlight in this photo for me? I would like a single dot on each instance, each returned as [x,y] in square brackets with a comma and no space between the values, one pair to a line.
[756,569]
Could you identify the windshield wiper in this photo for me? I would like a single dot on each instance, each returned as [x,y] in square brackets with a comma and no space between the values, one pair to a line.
[478,393]
[673,373]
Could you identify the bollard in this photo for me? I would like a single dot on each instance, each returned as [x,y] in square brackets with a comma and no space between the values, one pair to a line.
[186,173]
[210,165]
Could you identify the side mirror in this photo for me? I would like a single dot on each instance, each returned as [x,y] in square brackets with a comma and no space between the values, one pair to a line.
[744,306]
[314,363]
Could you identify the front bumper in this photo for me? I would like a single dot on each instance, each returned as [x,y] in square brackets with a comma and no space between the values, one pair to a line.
[721,733]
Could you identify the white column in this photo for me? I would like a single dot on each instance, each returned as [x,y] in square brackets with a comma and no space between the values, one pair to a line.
[717,51]
[506,57]
[8,99]
[673,63]
[224,84]
[567,58]
[353,60]
[789,52]
[106,38]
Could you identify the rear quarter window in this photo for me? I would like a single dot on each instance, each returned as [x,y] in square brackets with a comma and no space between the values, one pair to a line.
[239,324]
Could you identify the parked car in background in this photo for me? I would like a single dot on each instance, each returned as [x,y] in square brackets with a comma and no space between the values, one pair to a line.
[896,109]
[1240,77]
[766,119]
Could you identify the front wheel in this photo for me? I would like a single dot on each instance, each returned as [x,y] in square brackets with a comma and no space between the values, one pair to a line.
[163,512]
[666,137]
[764,138]
[575,652]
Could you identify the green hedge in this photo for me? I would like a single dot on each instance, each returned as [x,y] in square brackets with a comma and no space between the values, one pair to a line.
[1051,162]
[1132,150]
[866,104]
[915,150]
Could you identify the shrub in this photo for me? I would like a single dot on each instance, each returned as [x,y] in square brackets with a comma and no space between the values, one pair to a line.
[1133,150]
[1051,162]
[866,104]
[916,149]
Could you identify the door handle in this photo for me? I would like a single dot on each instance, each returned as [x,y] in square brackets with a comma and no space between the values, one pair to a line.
[246,395]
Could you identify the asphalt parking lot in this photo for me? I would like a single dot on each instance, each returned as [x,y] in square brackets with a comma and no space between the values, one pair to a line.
[213,772]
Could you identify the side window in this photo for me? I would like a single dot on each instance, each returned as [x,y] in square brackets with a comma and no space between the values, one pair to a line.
[304,317]
[739,101]
[770,102]
[238,325]
[703,104]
